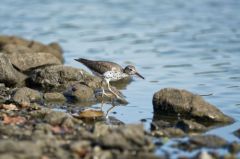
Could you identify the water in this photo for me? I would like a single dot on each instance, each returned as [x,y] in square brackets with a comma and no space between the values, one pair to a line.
[191,45]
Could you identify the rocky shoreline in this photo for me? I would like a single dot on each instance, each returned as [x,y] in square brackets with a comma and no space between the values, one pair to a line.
[34,80]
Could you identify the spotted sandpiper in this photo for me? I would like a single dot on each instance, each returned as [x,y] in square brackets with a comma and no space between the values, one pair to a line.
[109,71]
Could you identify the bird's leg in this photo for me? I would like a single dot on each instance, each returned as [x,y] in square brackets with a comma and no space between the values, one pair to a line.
[103,91]
[109,88]
[113,105]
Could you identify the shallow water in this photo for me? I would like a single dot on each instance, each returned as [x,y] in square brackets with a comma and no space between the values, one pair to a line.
[189,45]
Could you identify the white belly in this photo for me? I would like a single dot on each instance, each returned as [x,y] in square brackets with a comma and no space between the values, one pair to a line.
[114,76]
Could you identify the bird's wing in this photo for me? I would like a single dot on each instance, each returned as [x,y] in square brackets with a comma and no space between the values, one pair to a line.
[100,66]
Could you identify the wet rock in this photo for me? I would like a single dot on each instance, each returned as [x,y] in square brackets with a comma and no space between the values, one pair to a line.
[91,114]
[129,137]
[27,61]
[60,77]
[9,75]
[80,93]
[175,101]
[190,126]
[234,147]
[168,132]
[25,96]
[160,124]
[34,46]
[237,133]
[54,97]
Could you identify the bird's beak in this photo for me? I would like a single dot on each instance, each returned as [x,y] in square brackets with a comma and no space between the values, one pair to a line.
[76,60]
[139,75]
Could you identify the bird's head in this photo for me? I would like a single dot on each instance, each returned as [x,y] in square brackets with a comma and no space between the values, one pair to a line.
[131,70]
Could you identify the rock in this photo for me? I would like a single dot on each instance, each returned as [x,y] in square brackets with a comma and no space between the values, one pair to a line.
[39,47]
[9,75]
[129,138]
[26,96]
[54,97]
[168,132]
[175,101]
[80,93]
[237,133]
[91,114]
[60,77]
[81,148]
[234,147]
[13,48]
[55,118]
[160,124]
[56,46]
[34,46]
[210,141]
[190,126]
[21,149]
[4,40]
[26,61]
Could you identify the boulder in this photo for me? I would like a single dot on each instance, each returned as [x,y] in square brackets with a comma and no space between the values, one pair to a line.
[59,77]
[33,46]
[26,61]
[186,104]
[8,74]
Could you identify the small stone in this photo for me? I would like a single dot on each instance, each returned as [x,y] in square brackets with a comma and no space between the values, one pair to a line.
[24,96]
[54,97]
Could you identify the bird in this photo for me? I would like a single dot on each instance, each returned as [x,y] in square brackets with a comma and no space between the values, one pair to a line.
[109,71]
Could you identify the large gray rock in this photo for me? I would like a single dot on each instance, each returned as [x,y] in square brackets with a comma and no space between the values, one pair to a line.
[26,61]
[60,77]
[22,45]
[8,74]
[175,102]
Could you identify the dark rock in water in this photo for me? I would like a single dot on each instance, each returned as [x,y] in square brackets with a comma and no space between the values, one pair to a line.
[8,74]
[60,77]
[190,126]
[34,46]
[234,147]
[175,101]
[27,61]
[54,97]
[237,133]
[129,138]
[26,96]
[80,93]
